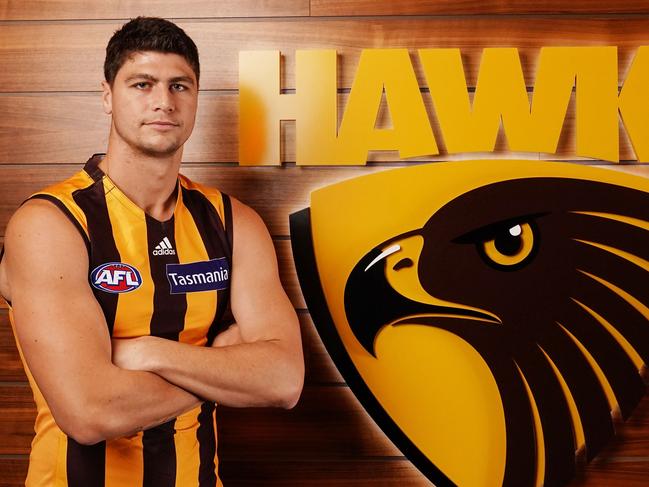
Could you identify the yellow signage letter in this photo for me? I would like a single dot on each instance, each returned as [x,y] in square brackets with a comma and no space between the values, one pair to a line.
[501,94]
[261,107]
[634,104]
[389,70]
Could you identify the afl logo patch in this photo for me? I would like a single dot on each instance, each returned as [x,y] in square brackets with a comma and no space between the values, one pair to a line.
[115,277]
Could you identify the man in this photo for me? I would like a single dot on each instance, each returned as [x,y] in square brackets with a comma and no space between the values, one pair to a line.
[120,278]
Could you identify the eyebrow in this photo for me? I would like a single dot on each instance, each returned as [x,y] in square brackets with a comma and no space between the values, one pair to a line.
[176,79]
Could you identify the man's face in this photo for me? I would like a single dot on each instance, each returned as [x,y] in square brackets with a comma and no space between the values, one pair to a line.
[153,102]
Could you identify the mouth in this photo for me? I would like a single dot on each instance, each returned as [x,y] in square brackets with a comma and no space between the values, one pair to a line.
[161,125]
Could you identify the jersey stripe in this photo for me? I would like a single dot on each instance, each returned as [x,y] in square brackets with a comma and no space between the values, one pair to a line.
[92,202]
[167,321]
[227,216]
[187,449]
[130,234]
[169,310]
[225,313]
[124,461]
[86,464]
[206,435]
[159,454]
[201,306]
[212,232]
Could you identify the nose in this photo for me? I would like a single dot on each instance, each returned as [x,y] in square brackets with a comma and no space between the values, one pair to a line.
[163,99]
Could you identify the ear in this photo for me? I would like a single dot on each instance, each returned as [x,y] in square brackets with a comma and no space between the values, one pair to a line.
[107,97]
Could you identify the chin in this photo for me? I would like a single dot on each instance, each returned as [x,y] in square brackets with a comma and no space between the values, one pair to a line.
[159,150]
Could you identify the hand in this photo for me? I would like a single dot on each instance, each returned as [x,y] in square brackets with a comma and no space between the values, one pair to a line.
[231,336]
[131,353]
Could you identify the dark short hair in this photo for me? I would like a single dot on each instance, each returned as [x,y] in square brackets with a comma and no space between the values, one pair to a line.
[148,34]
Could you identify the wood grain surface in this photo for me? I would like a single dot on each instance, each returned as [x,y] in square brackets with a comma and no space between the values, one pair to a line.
[274,193]
[474,7]
[51,57]
[119,9]
[116,9]
[386,472]
[54,50]
[328,424]
[44,129]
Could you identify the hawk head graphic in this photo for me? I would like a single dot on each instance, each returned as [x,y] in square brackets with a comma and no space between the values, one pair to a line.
[519,287]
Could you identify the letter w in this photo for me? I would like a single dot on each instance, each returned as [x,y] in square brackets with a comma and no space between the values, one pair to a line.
[501,94]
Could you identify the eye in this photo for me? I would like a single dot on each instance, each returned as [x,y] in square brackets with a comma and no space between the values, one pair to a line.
[509,246]
[141,85]
[178,87]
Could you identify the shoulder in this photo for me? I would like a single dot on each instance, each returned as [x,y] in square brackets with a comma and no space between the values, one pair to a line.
[253,246]
[43,214]
[40,227]
[37,216]
[41,241]
[62,197]
[246,221]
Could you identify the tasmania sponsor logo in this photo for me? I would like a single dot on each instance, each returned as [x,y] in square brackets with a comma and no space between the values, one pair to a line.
[115,277]
[207,275]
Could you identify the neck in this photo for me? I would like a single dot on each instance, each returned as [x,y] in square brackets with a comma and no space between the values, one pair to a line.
[148,181]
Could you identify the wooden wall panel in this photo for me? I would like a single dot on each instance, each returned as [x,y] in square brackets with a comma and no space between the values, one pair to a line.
[339,473]
[45,129]
[274,193]
[7,352]
[377,472]
[474,7]
[13,471]
[51,121]
[55,49]
[244,473]
[320,369]
[328,425]
[18,412]
[119,9]
[12,368]
[52,128]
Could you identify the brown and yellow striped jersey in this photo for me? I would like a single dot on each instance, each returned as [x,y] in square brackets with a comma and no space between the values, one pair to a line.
[168,279]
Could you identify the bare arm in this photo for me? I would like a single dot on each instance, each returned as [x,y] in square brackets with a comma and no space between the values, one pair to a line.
[267,368]
[64,337]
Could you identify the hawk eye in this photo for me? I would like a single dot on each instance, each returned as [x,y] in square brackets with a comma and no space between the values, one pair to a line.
[509,246]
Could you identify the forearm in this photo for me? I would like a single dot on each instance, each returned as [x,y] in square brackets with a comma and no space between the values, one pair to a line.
[261,373]
[126,401]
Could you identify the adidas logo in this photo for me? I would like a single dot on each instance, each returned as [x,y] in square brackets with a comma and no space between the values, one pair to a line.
[164,248]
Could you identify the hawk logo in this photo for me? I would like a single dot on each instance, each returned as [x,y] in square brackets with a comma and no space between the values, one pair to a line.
[490,314]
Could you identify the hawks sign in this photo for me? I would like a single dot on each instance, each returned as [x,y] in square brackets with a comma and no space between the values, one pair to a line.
[467,122]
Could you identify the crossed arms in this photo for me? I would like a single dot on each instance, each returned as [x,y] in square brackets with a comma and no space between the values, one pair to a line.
[100,390]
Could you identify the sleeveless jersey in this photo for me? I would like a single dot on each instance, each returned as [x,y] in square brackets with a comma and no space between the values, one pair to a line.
[167,279]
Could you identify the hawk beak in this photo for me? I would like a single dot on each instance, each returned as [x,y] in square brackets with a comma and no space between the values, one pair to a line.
[384,289]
